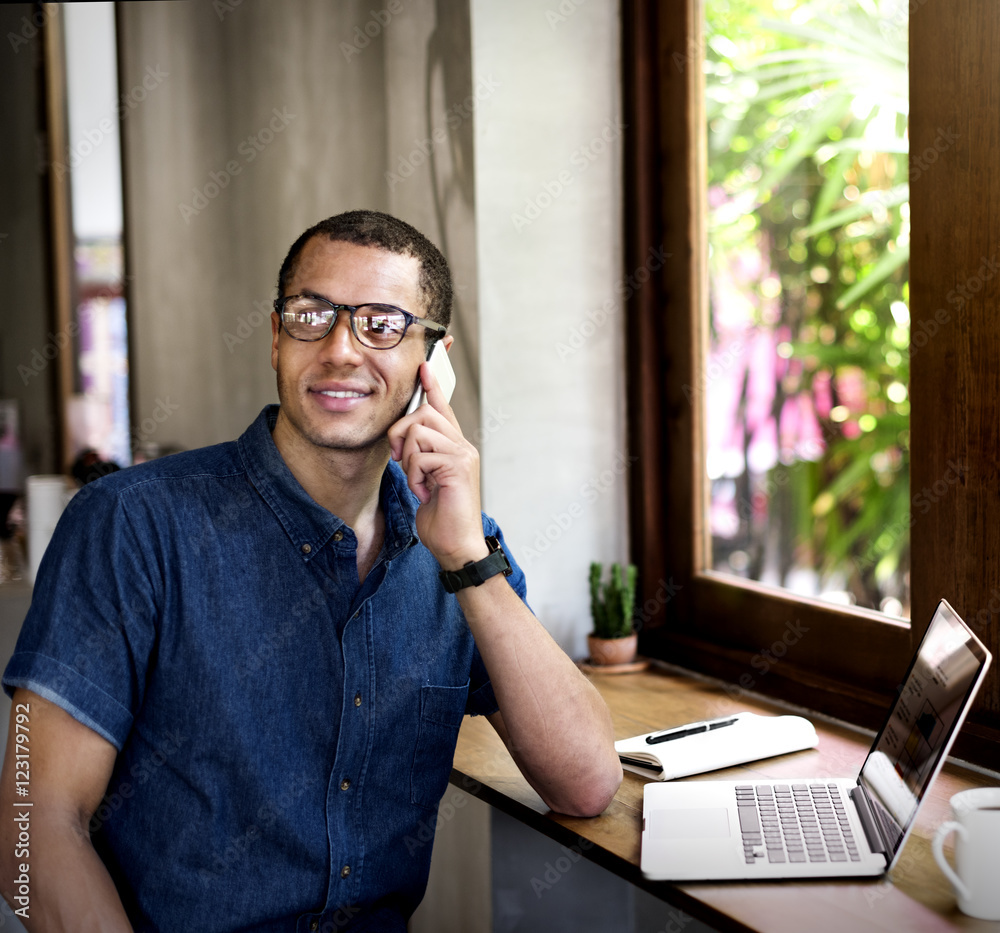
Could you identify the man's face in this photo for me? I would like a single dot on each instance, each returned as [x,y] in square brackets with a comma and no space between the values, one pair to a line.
[336,393]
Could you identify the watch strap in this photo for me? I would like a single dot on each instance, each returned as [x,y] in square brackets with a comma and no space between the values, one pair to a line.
[475,573]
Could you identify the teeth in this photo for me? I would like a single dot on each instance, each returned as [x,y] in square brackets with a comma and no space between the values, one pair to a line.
[343,394]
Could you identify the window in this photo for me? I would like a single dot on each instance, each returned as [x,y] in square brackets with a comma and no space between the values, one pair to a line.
[841,660]
[804,389]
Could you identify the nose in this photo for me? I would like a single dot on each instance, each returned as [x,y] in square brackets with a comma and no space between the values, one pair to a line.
[340,347]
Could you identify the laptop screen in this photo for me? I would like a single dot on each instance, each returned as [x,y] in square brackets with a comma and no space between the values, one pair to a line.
[922,725]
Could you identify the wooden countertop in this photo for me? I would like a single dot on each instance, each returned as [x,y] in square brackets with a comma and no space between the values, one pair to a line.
[914,897]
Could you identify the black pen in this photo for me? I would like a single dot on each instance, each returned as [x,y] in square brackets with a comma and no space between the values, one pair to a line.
[689,730]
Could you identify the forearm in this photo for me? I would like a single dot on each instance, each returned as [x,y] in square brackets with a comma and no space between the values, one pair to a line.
[67,889]
[558,727]
[67,886]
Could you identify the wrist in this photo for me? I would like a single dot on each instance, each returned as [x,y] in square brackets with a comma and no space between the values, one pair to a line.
[456,560]
[477,572]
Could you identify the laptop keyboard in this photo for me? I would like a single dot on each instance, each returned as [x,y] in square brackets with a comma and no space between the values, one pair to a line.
[794,823]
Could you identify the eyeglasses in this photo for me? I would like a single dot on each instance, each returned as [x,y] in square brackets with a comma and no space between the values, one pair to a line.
[379,327]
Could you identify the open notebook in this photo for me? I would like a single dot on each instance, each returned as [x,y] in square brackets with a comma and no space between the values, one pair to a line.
[713,744]
[824,827]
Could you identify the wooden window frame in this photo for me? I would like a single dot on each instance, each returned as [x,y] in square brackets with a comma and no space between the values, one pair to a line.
[839,661]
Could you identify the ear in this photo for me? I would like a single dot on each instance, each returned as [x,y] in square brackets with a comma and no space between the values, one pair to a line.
[447,340]
[275,332]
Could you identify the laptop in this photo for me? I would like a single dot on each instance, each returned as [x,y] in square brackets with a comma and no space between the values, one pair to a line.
[824,827]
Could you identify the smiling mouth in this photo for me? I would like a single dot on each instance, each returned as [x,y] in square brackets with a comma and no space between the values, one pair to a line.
[331,394]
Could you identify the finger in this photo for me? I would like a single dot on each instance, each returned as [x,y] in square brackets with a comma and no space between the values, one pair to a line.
[434,426]
[428,471]
[399,431]
[435,394]
[422,439]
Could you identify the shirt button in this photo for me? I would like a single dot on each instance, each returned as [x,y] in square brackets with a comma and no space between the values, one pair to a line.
[357,699]
[344,784]
[306,548]
[345,871]
[314,925]
[338,536]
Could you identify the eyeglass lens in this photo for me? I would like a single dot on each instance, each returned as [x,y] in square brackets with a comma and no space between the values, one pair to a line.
[377,326]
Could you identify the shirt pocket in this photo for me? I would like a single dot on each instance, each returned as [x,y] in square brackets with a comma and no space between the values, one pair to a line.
[441,712]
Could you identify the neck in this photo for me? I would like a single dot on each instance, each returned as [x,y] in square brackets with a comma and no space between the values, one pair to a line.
[344,482]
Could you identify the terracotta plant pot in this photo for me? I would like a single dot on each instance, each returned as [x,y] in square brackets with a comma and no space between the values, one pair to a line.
[607,651]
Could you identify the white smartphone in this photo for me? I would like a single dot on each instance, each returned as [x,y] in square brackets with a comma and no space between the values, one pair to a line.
[441,367]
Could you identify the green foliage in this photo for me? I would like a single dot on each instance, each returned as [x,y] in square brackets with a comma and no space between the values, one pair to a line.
[612,605]
[806,105]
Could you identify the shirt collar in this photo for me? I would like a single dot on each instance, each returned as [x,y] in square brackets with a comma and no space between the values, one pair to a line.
[307,524]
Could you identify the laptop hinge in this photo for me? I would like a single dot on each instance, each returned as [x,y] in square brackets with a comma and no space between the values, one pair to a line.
[875,841]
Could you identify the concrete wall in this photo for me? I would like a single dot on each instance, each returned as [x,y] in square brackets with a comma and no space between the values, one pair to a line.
[549,232]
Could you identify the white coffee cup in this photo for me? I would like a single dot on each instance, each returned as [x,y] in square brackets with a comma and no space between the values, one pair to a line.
[976,824]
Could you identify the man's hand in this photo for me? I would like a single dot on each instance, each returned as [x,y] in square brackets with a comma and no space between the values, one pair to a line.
[442,469]
[552,720]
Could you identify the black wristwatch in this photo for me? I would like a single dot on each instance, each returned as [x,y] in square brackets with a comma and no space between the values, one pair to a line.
[477,572]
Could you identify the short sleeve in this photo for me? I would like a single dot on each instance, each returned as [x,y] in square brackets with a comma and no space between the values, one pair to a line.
[88,636]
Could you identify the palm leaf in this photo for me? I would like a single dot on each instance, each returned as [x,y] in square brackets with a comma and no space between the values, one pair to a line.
[885,267]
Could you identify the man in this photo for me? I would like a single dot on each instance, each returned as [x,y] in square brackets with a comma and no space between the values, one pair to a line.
[242,673]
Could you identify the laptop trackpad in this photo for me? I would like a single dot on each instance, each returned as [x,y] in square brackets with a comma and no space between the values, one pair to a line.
[703,823]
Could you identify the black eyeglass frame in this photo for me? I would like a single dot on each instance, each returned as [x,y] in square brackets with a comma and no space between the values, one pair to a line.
[437,330]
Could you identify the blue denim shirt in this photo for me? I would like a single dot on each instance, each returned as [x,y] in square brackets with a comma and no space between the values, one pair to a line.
[284,733]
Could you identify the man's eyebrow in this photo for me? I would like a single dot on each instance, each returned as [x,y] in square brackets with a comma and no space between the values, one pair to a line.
[309,293]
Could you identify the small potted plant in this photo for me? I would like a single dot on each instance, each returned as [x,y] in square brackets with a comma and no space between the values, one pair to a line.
[612,608]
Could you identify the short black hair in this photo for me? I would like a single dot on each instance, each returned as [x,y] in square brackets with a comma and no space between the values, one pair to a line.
[383,231]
